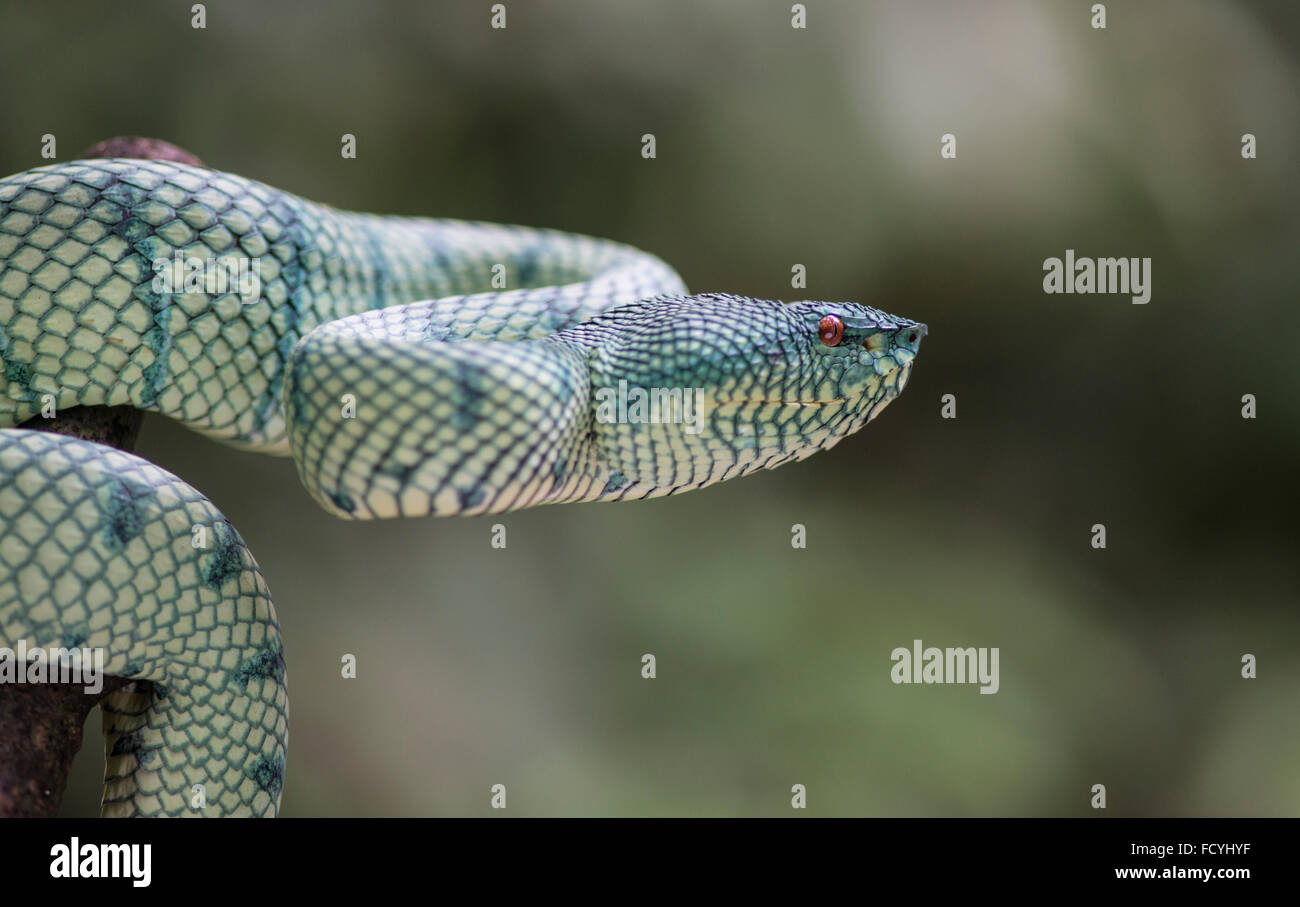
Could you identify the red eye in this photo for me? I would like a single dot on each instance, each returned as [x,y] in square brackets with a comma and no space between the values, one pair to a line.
[831,330]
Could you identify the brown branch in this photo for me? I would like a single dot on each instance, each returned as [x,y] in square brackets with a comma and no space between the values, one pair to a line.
[41,724]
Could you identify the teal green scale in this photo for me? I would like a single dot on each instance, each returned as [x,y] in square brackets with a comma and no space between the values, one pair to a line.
[102,550]
[80,317]
[410,366]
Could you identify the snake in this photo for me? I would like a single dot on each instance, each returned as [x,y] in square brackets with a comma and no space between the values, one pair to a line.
[409,366]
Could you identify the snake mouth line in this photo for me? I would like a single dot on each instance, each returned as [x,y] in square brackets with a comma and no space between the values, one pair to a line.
[764,400]
[760,401]
[892,391]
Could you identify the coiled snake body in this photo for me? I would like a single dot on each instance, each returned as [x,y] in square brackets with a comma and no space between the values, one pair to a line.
[518,384]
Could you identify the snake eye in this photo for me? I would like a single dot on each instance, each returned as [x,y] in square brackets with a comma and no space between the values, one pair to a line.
[831,330]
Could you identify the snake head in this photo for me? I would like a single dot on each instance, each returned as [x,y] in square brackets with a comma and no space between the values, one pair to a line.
[841,356]
[771,382]
[855,352]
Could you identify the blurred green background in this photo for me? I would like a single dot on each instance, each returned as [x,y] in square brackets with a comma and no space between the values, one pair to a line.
[779,146]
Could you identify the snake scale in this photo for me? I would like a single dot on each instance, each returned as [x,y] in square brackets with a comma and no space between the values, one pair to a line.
[410,366]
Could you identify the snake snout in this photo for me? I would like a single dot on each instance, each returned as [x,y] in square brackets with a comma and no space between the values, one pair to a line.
[909,338]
